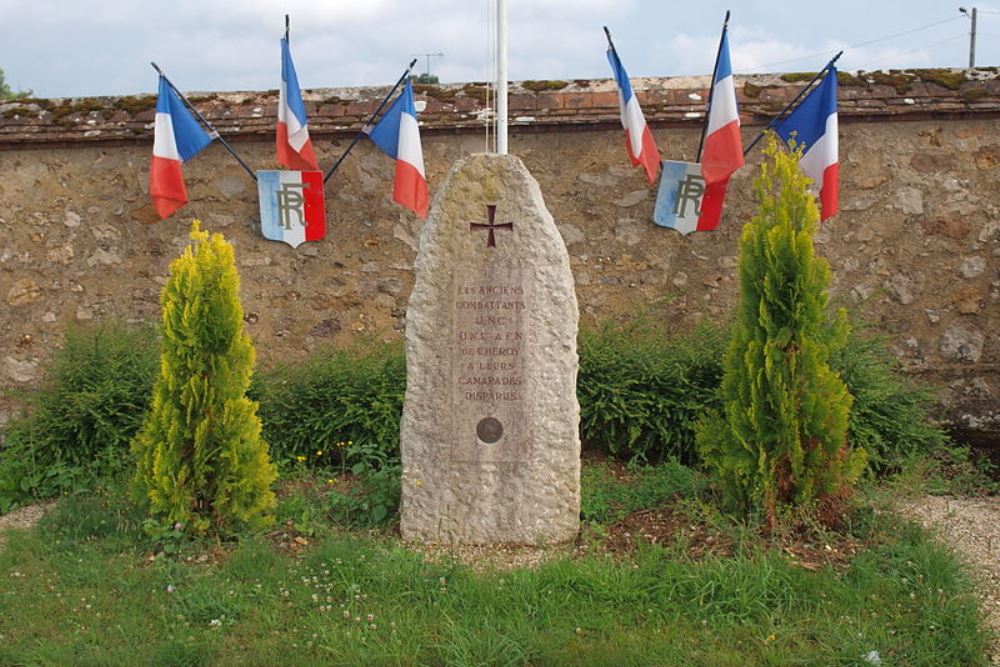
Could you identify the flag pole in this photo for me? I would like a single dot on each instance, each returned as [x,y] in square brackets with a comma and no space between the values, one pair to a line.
[607,33]
[711,87]
[364,130]
[213,132]
[502,77]
[776,119]
[286,29]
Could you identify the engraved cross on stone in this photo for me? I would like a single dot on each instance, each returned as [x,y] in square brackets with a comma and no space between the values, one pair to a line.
[491,211]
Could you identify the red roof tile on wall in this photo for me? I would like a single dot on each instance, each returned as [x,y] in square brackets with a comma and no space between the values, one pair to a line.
[533,105]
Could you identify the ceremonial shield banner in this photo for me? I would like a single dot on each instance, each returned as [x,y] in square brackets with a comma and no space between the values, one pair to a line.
[292,206]
[678,202]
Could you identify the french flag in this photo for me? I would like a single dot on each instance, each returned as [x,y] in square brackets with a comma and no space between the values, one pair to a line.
[295,149]
[638,137]
[813,125]
[177,137]
[723,151]
[397,134]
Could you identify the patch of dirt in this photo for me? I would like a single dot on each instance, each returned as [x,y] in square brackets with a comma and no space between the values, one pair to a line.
[971,526]
[670,525]
[288,540]
[811,551]
[664,526]
[22,519]
[806,548]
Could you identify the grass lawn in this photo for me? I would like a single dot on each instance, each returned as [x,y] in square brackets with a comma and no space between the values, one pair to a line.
[657,578]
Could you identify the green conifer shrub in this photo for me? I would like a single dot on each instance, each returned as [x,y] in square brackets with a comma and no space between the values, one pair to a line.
[200,456]
[781,438]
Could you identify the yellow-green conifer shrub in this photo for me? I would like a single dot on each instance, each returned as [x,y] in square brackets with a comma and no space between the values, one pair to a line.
[782,438]
[201,460]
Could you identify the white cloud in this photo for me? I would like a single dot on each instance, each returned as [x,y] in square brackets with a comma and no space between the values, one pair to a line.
[757,51]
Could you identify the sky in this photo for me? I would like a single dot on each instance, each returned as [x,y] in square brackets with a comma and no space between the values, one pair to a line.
[64,48]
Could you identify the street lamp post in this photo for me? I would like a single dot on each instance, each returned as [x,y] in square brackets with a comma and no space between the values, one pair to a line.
[972,35]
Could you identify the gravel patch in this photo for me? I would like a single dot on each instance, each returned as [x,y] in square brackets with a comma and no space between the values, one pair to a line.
[22,519]
[971,526]
[483,557]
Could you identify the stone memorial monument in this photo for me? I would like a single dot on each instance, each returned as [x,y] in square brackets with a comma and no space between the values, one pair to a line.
[490,431]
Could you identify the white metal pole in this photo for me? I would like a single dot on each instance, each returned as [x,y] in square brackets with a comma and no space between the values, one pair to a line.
[502,77]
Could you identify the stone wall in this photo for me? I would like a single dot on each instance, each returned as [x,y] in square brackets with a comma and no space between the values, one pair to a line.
[915,249]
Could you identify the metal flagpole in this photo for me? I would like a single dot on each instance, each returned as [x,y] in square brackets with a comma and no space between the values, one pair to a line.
[367,126]
[776,119]
[711,87]
[213,132]
[502,77]
[286,29]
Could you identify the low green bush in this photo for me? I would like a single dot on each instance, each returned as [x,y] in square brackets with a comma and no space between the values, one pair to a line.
[80,421]
[374,503]
[641,392]
[338,409]
[889,417]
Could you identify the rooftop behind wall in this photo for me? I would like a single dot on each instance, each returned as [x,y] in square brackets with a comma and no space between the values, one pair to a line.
[910,95]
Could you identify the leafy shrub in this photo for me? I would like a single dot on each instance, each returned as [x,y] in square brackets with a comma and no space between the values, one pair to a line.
[80,421]
[782,438]
[641,392]
[373,502]
[340,408]
[889,416]
[200,458]
[640,395]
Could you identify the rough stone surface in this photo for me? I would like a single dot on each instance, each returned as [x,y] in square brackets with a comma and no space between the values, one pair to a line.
[972,267]
[21,371]
[962,342]
[490,431]
[53,198]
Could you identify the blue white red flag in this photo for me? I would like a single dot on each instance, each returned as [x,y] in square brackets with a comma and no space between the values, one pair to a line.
[813,125]
[292,206]
[177,137]
[295,149]
[638,137]
[397,134]
[723,152]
